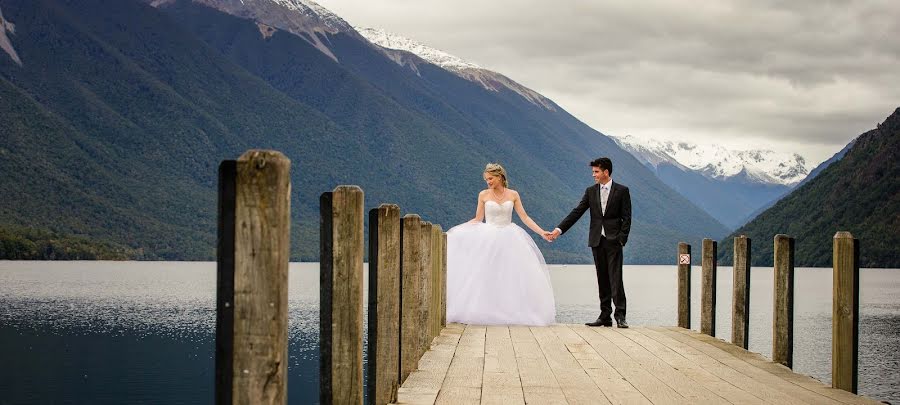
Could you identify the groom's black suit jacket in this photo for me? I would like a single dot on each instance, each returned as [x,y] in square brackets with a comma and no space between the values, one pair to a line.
[616,221]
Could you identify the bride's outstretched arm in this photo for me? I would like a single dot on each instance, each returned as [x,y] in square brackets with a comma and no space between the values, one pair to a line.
[520,209]
[479,212]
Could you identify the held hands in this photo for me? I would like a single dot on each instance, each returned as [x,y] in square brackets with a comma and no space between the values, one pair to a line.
[550,236]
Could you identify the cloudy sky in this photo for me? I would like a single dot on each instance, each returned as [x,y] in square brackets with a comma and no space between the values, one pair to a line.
[795,76]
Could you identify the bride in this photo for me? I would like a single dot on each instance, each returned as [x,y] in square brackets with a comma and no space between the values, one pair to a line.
[496,275]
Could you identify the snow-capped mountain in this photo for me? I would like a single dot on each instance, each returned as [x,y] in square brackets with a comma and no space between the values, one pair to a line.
[717,162]
[490,80]
[436,56]
[303,18]
[730,185]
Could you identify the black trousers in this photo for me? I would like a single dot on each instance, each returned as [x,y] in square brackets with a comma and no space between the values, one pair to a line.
[608,261]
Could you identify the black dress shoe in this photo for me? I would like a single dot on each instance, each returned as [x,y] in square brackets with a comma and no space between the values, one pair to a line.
[599,322]
[622,324]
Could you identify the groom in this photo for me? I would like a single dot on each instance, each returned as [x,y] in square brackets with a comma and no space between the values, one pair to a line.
[610,205]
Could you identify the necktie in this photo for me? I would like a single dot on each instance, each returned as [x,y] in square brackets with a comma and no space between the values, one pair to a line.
[604,196]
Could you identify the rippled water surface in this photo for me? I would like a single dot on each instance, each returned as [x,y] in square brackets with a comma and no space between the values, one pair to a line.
[142,332]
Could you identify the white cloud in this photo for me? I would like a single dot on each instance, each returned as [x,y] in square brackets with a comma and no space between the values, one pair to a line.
[799,76]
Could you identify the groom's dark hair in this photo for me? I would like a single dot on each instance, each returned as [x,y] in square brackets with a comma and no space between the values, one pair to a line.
[603,163]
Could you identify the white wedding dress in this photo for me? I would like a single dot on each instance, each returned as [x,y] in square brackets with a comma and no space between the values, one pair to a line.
[496,275]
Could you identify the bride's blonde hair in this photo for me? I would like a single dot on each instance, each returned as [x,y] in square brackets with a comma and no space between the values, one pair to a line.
[496,170]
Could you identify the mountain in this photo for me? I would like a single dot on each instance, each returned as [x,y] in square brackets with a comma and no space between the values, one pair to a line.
[812,174]
[729,185]
[822,166]
[717,162]
[859,193]
[489,80]
[117,114]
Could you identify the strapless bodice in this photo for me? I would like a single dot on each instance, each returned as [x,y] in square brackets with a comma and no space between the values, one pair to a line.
[498,214]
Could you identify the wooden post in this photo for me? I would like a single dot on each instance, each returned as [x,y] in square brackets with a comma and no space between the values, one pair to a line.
[783,305]
[384,304]
[845,313]
[425,290]
[708,289]
[443,279]
[684,285]
[434,312]
[740,303]
[411,228]
[251,293]
[341,296]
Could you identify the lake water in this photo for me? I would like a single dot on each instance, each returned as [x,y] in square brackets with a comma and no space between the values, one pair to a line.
[142,332]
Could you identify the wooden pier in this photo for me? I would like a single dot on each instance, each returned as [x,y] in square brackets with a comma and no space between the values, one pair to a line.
[577,364]
[415,357]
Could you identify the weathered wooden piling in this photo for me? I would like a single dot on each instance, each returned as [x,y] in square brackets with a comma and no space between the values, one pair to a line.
[423,331]
[708,289]
[384,304]
[252,273]
[341,296]
[434,315]
[443,279]
[684,285]
[783,306]
[740,303]
[845,313]
[410,270]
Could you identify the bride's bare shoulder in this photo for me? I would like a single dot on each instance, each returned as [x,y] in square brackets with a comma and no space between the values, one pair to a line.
[514,193]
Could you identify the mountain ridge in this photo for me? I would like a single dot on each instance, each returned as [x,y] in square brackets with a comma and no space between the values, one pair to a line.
[859,193]
[488,79]
[716,162]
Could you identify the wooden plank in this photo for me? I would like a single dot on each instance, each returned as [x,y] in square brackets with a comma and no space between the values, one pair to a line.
[685,345]
[462,383]
[423,385]
[575,383]
[464,377]
[691,369]
[384,304]
[260,233]
[341,297]
[501,383]
[410,268]
[615,388]
[499,355]
[684,286]
[650,387]
[783,306]
[778,370]
[683,385]
[845,313]
[785,391]
[459,395]
[539,384]
[502,388]
[740,297]
[708,288]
